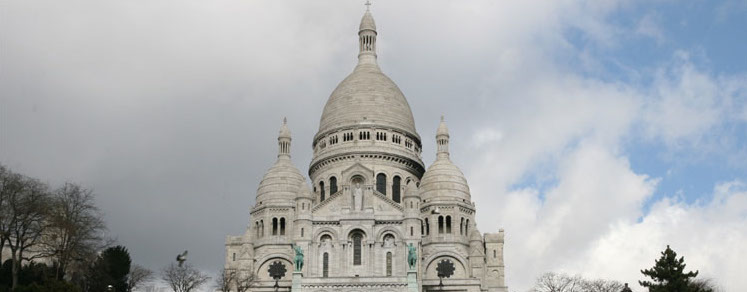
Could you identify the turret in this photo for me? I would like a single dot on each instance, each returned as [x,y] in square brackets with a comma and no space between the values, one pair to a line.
[273,213]
[494,265]
[445,195]
[411,202]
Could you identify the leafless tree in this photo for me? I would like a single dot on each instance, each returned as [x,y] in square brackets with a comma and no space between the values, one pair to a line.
[244,281]
[6,183]
[24,209]
[601,285]
[76,228]
[138,276]
[554,282]
[225,279]
[232,280]
[183,279]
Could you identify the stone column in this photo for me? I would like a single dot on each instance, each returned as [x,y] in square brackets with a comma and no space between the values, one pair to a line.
[297,277]
[412,280]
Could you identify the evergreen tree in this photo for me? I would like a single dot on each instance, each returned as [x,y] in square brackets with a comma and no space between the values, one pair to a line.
[110,268]
[668,274]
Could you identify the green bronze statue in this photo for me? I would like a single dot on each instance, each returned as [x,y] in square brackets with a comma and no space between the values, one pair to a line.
[299,257]
[412,256]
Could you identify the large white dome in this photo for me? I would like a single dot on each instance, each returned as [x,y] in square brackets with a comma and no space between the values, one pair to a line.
[367,96]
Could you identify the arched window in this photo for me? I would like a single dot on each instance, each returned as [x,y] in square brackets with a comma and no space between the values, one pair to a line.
[389,264]
[325,265]
[326,239]
[332,185]
[274,226]
[357,246]
[388,240]
[427,227]
[301,232]
[494,253]
[261,228]
[440,224]
[461,227]
[395,188]
[321,189]
[282,226]
[448,224]
[466,227]
[256,226]
[381,183]
[412,231]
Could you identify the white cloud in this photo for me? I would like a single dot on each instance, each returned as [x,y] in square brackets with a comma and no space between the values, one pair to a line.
[544,231]
[710,235]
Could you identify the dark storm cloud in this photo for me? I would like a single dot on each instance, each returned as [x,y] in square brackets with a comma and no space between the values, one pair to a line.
[169,110]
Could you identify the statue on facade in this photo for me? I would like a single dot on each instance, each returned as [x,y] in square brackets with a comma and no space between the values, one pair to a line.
[357,196]
[412,256]
[298,260]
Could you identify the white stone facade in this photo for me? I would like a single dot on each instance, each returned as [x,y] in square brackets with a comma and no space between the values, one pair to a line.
[370,196]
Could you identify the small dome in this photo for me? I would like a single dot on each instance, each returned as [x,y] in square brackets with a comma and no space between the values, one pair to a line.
[281,183]
[367,22]
[444,181]
[411,189]
[475,235]
[305,191]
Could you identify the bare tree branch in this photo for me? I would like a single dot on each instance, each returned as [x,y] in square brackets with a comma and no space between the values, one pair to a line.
[76,227]
[224,280]
[24,208]
[183,279]
[138,276]
[554,282]
[233,280]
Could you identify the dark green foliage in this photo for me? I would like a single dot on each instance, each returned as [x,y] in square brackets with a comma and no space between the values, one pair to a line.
[668,275]
[110,268]
[51,285]
[33,277]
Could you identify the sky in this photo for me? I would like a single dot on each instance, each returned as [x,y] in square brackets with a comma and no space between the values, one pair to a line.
[595,133]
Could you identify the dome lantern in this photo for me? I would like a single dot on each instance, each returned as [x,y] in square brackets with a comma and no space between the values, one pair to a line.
[367,38]
[284,140]
[442,139]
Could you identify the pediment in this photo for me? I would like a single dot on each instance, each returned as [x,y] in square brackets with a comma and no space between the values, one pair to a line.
[382,204]
[357,169]
[333,205]
[476,252]
[373,202]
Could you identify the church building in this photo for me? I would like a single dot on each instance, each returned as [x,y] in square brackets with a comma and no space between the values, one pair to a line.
[372,217]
